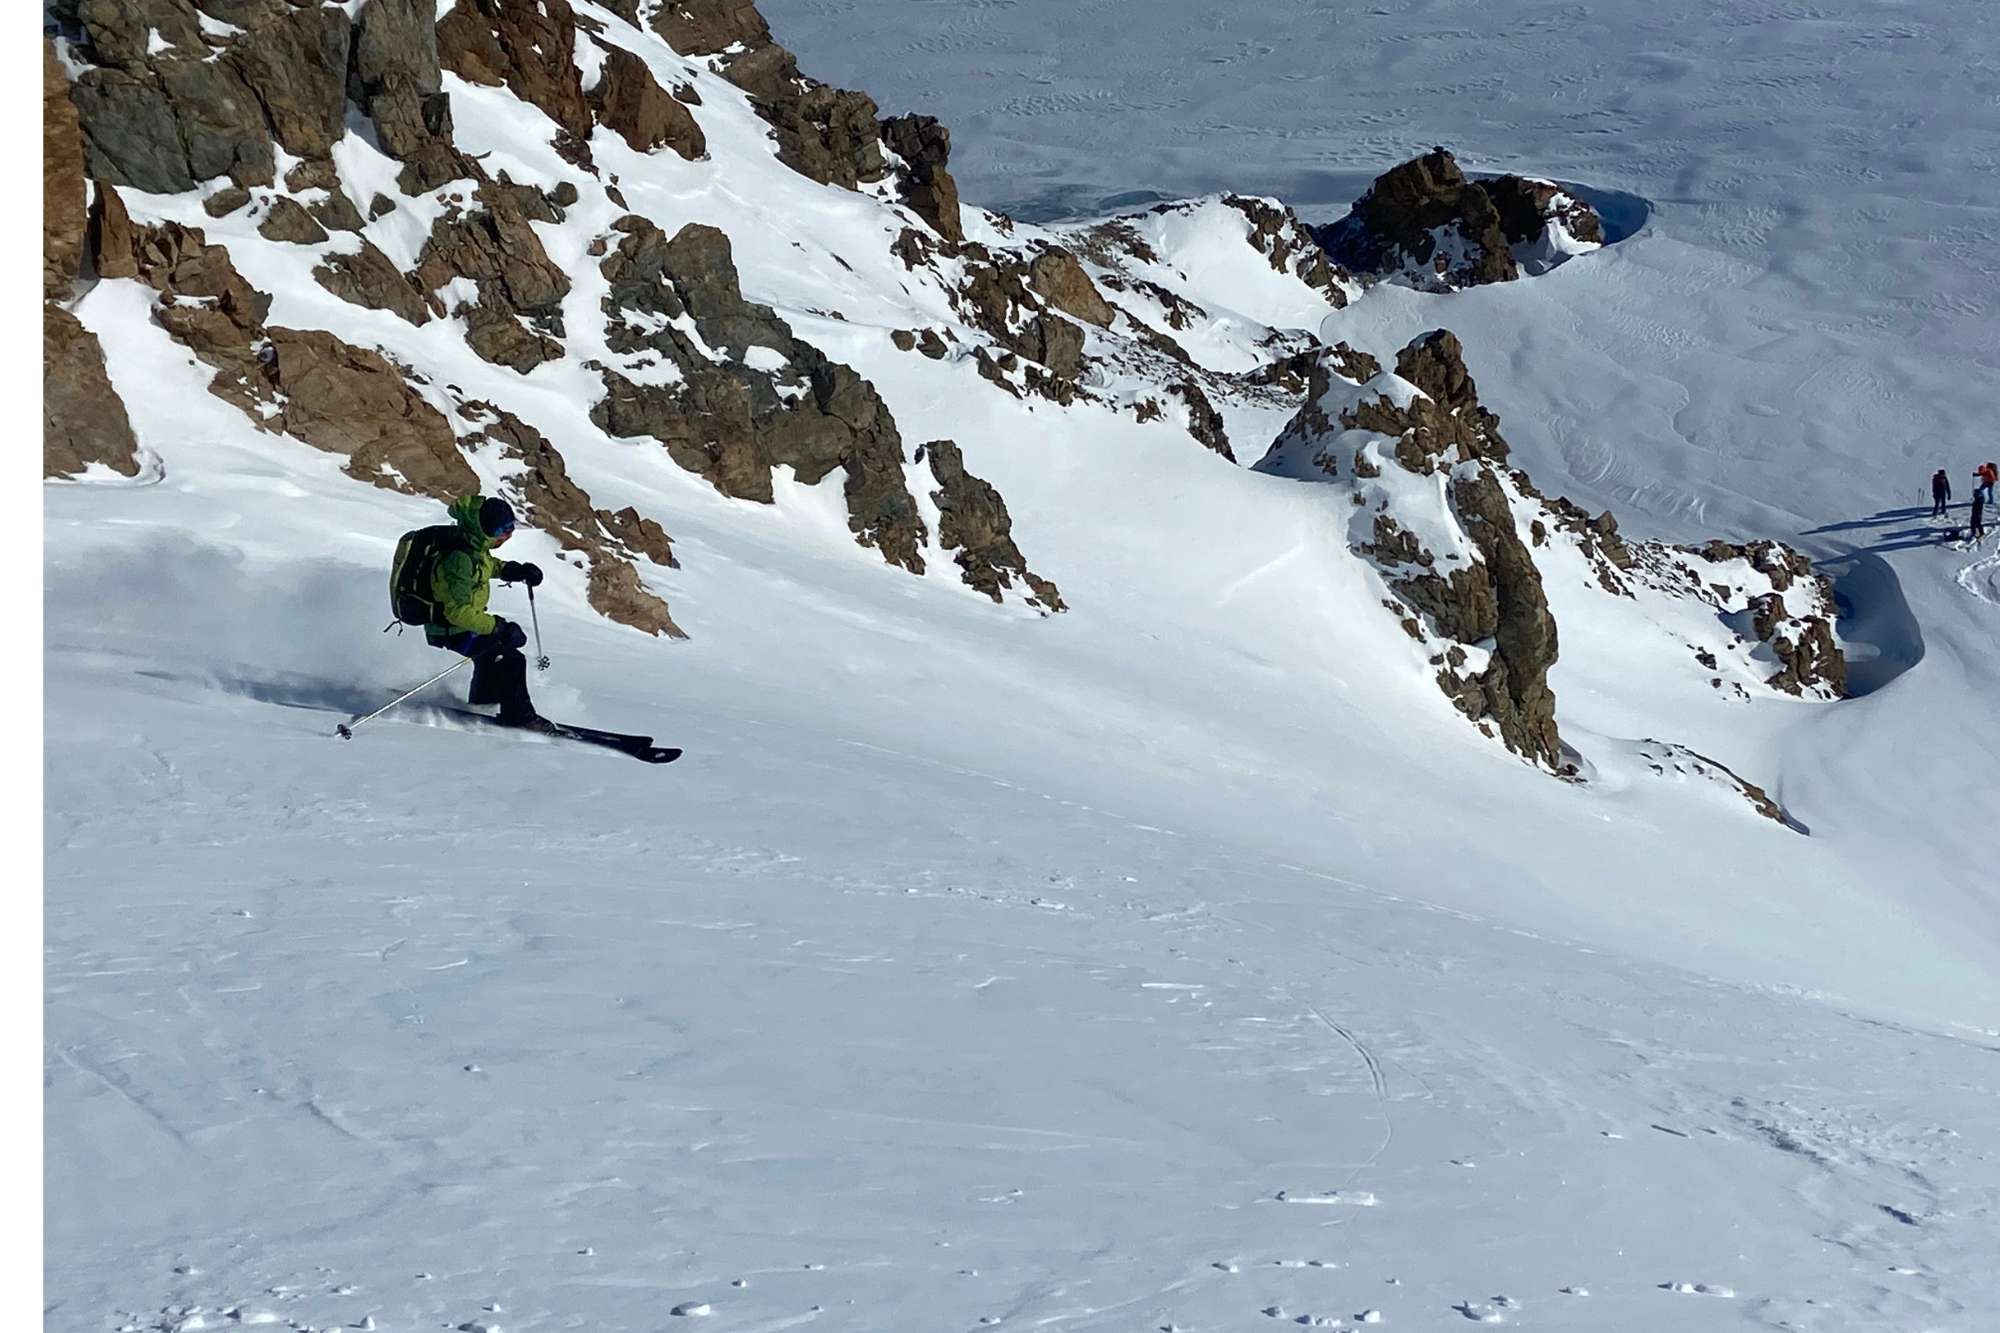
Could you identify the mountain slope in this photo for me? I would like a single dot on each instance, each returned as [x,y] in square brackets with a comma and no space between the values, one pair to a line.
[1185,956]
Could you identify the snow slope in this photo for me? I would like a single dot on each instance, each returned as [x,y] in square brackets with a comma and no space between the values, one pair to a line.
[1183,961]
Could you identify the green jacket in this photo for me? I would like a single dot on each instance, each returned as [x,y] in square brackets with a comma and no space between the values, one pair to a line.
[458,582]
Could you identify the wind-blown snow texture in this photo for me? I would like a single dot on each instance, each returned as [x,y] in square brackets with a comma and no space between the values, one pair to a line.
[1179,962]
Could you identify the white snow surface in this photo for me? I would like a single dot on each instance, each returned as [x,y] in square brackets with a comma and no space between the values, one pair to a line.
[975,968]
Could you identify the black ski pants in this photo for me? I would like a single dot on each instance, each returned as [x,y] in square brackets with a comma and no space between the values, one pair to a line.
[499,675]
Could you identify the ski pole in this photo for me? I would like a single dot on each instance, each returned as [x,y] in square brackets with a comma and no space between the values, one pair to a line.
[541,658]
[346,729]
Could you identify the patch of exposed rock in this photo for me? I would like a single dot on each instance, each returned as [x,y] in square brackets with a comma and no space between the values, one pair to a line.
[924,146]
[1426,224]
[629,101]
[63,190]
[164,109]
[395,77]
[83,418]
[542,488]
[517,321]
[529,46]
[746,395]
[1454,531]
[973,522]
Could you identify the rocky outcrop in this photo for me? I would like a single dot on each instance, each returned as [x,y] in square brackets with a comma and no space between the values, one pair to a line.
[164,110]
[353,402]
[529,46]
[1059,279]
[1426,224]
[541,488]
[287,221]
[517,321]
[394,76]
[924,145]
[973,522]
[630,102]
[1465,542]
[1204,422]
[368,278]
[63,191]
[1277,233]
[730,420]
[83,418]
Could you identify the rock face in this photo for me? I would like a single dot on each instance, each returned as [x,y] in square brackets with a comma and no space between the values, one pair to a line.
[1454,531]
[1059,279]
[730,420]
[973,522]
[62,180]
[529,46]
[83,418]
[394,76]
[924,145]
[517,321]
[164,110]
[1424,223]
[629,101]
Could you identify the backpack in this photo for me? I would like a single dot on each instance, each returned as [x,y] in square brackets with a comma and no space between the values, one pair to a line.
[417,556]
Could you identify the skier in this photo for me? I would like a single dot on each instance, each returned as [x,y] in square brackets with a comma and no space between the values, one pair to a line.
[460,570]
[1940,493]
[1985,477]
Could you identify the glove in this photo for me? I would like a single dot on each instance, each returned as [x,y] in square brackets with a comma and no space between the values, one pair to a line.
[506,634]
[516,571]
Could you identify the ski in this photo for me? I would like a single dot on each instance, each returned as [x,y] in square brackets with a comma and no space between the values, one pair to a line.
[639,747]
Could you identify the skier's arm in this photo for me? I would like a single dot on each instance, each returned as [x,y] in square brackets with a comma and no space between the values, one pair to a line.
[457,582]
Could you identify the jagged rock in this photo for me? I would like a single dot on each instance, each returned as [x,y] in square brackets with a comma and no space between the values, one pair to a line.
[973,521]
[528,45]
[83,418]
[63,196]
[220,121]
[829,134]
[543,490]
[1291,247]
[177,261]
[287,221]
[381,206]
[631,103]
[1526,207]
[368,278]
[704,27]
[727,420]
[225,201]
[616,593]
[1204,422]
[108,236]
[395,77]
[1060,280]
[927,187]
[496,247]
[297,65]
[1400,227]
[351,401]
[121,33]
[1525,646]
[129,133]
[1057,344]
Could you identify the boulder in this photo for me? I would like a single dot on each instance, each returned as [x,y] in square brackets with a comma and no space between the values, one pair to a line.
[1395,229]
[632,104]
[83,418]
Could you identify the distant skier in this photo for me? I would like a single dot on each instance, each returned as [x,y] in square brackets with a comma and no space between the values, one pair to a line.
[1985,478]
[1940,493]
[440,581]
